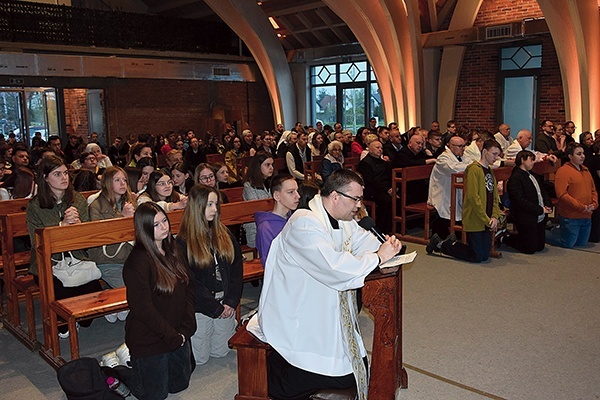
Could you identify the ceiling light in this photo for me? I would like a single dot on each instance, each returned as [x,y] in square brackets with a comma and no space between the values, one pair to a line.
[273,22]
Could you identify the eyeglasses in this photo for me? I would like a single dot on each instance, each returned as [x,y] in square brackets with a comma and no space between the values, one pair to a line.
[163,183]
[206,178]
[356,199]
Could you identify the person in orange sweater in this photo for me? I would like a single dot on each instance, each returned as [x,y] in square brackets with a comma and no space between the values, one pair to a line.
[577,199]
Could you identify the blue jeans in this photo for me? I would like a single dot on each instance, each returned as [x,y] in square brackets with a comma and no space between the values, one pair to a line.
[477,250]
[112,274]
[572,232]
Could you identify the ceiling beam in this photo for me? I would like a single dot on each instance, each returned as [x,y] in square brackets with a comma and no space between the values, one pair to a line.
[199,14]
[449,38]
[318,35]
[445,11]
[433,17]
[286,10]
[171,4]
[285,23]
[328,22]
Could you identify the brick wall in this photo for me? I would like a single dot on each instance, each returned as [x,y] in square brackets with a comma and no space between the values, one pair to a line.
[478,97]
[76,112]
[159,106]
[494,12]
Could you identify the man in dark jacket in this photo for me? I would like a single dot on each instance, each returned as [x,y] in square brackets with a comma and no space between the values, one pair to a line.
[377,176]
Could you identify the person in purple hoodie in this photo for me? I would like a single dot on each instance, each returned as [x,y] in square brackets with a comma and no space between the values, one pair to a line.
[284,190]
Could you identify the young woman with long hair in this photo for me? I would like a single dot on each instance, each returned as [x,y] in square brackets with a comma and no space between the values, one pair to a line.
[115,201]
[215,259]
[182,182]
[222,176]
[146,165]
[233,154]
[160,190]
[205,175]
[256,186]
[161,302]
[317,144]
[57,203]
[134,180]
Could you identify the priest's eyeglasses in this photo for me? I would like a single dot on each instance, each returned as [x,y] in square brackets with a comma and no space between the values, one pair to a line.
[355,198]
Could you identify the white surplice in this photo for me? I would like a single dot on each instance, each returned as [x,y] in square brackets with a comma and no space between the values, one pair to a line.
[299,309]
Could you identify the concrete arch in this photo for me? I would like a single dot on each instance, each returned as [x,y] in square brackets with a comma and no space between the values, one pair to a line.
[575,30]
[464,16]
[388,37]
[250,23]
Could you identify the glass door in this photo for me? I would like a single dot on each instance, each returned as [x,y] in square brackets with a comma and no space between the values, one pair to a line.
[519,103]
[353,107]
[11,113]
[27,111]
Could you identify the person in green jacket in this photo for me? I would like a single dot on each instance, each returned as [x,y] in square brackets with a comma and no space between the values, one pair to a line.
[480,210]
[56,204]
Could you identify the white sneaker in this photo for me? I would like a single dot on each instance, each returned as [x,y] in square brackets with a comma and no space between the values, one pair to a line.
[109,360]
[123,354]
[122,316]
[112,318]
[66,334]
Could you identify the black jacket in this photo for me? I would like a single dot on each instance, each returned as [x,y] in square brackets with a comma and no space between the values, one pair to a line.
[376,174]
[155,320]
[524,204]
[205,281]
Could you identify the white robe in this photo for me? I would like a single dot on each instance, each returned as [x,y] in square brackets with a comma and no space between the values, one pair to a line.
[504,142]
[299,309]
[440,184]
[515,148]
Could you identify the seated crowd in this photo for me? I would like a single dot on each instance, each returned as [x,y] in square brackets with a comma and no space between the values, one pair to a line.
[149,177]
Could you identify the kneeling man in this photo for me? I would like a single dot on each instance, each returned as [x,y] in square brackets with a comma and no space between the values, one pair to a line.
[307,310]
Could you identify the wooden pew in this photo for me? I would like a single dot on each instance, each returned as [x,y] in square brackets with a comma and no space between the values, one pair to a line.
[24,285]
[9,207]
[350,162]
[214,158]
[19,285]
[546,168]
[57,239]
[279,166]
[234,194]
[312,171]
[382,296]
[73,237]
[400,179]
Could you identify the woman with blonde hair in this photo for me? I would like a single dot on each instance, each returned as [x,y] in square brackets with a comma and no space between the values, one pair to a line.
[115,201]
[215,259]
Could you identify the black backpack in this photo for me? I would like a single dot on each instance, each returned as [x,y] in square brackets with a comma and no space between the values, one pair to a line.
[83,379]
